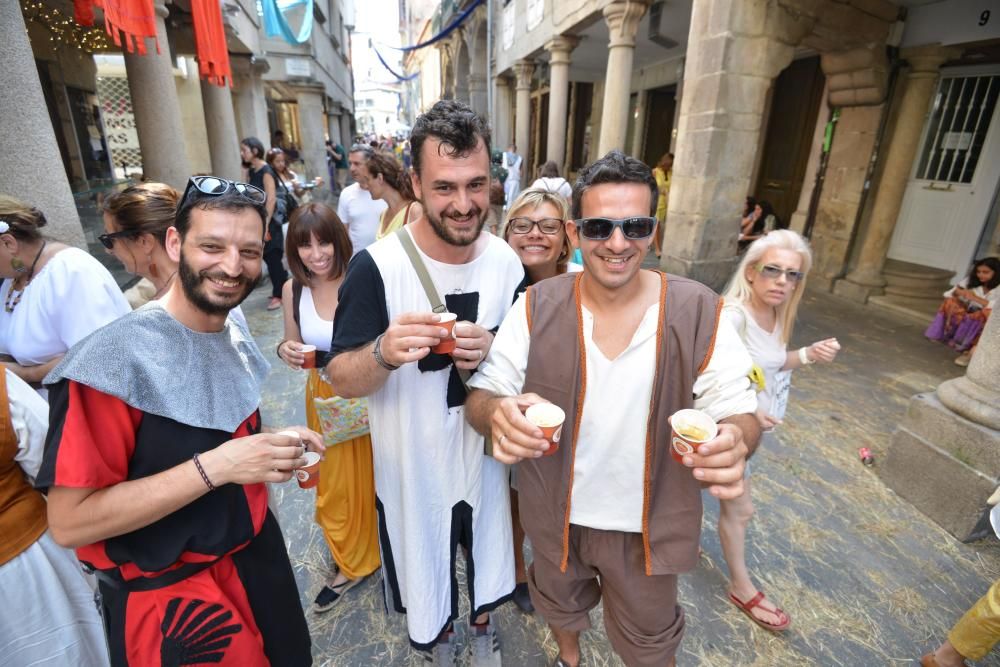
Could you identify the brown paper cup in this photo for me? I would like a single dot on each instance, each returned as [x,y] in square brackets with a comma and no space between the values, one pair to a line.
[310,353]
[549,418]
[447,345]
[308,475]
[688,429]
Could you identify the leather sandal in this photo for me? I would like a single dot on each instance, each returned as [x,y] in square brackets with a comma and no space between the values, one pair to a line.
[747,608]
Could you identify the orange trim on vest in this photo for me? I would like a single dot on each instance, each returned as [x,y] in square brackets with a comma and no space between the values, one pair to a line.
[647,473]
[527,306]
[711,343]
[577,418]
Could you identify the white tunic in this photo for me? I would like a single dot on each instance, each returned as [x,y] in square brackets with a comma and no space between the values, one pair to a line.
[434,485]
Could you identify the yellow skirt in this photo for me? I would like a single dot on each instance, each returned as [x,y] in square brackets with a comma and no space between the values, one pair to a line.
[345,496]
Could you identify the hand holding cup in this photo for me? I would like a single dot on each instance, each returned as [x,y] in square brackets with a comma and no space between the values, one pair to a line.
[411,336]
[514,437]
[472,344]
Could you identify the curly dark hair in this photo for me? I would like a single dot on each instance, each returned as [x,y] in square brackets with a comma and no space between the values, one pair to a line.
[455,125]
[993,264]
[615,167]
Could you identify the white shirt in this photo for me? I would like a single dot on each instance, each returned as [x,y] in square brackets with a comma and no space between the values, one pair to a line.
[559,185]
[360,213]
[313,329]
[610,454]
[29,415]
[767,351]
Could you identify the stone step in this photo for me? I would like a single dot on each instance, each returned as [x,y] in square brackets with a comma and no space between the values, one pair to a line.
[918,311]
[964,439]
[910,271]
[914,281]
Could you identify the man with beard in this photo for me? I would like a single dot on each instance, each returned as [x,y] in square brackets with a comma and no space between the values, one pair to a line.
[155,460]
[435,489]
[355,207]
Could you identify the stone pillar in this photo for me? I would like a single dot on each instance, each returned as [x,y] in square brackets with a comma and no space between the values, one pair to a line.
[333,127]
[735,50]
[523,69]
[311,127]
[503,107]
[248,98]
[623,19]
[639,128]
[477,94]
[346,133]
[866,279]
[559,48]
[220,122]
[157,112]
[32,169]
[945,456]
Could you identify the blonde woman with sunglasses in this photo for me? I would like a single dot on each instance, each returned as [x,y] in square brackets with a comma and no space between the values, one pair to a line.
[762,300]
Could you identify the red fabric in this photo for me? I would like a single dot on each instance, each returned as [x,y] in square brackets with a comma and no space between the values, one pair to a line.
[207,615]
[210,42]
[83,12]
[136,19]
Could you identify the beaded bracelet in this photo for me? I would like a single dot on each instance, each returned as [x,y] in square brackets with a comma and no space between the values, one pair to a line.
[201,471]
[377,353]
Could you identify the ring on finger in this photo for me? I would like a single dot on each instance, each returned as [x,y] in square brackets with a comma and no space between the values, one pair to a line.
[500,441]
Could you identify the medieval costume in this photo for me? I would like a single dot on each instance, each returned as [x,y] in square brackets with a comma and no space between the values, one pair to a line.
[210,582]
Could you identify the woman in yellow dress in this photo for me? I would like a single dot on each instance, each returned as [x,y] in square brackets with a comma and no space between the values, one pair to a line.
[662,172]
[388,181]
[318,249]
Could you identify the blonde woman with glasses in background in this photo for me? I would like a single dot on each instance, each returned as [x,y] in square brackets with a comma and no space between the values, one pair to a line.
[761,301]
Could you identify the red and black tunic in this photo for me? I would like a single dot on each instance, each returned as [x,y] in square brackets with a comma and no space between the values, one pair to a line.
[208,584]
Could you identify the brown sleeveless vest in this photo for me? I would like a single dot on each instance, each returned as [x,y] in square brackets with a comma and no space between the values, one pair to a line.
[685,336]
[22,509]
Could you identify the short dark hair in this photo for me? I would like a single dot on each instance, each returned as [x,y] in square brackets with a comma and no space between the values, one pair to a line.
[615,167]
[230,201]
[255,146]
[321,220]
[455,125]
[550,170]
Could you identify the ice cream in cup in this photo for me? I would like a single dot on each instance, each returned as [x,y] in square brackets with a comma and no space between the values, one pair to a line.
[447,344]
[688,429]
[549,418]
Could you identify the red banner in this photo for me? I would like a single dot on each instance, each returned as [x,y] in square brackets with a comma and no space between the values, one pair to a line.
[210,42]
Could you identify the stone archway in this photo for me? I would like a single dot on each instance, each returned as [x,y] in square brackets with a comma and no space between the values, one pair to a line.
[474,33]
[461,70]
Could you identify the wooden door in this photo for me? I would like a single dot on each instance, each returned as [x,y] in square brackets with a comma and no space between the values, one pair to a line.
[798,91]
[660,104]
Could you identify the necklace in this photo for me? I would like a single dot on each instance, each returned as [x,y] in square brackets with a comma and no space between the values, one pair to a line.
[163,289]
[9,303]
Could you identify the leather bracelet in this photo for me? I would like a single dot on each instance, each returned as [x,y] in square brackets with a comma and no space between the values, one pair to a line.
[201,471]
[377,353]
[804,356]
[277,350]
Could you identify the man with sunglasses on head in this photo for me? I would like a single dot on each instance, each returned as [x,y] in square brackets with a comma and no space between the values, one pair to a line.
[355,207]
[611,515]
[156,458]
[435,489]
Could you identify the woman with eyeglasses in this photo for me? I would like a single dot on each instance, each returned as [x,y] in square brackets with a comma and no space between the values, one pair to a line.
[389,182]
[53,294]
[761,301]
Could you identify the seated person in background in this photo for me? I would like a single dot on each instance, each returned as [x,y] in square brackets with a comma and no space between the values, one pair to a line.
[758,223]
[965,309]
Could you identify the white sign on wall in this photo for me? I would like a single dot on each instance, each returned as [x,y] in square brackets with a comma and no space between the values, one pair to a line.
[298,67]
[508,26]
[534,11]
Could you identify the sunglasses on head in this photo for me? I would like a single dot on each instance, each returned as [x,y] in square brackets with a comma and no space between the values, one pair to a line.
[775,272]
[213,186]
[601,229]
[550,226]
[108,240]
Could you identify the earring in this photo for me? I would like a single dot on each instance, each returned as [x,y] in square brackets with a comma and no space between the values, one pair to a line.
[18,265]
[155,272]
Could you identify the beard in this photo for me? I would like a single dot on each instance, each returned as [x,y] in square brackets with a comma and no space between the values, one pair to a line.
[194,289]
[448,235]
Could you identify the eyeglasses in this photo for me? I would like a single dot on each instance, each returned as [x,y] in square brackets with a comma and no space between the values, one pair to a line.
[601,229]
[213,186]
[550,226]
[775,272]
[108,240]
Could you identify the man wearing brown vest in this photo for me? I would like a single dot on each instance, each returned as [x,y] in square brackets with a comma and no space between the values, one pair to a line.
[619,349]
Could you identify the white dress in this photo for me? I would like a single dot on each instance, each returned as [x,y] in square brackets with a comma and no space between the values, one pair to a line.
[435,488]
[512,185]
[768,351]
[72,296]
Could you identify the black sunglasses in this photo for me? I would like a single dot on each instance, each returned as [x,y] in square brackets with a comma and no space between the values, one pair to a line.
[108,240]
[601,229]
[213,186]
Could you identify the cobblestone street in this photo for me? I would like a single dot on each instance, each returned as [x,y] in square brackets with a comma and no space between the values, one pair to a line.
[867,579]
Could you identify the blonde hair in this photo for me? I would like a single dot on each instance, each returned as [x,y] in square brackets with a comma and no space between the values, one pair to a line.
[533,198]
[25,221]
[739,290]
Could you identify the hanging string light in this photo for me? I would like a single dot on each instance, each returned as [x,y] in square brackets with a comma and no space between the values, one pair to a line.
[63,29]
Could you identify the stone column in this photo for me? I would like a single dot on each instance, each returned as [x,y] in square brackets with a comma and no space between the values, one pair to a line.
[311,126]
[623,22]
[220,123]
[639,129]
[249,99]
[945,455]
[477,94]
[866,279]
[503,107]
[559,48]
[736,49]
[523,69]
[32,169]
[333,127]
[346,133]
[157,112]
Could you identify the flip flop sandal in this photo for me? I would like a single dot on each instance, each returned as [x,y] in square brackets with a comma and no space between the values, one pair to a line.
[747,608]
